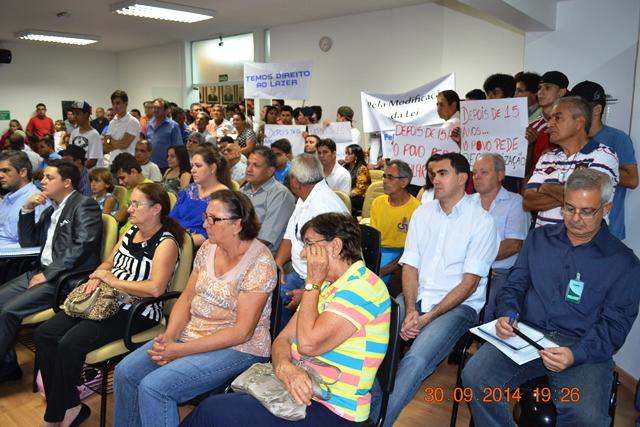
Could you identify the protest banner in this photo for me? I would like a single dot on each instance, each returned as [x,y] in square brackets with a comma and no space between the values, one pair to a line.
[291,132]
[340,133]
[496,126]
[381,112]
[415,144]
[273,80]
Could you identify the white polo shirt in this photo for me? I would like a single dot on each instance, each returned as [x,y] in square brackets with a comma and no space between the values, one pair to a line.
[445,247]
[321,200]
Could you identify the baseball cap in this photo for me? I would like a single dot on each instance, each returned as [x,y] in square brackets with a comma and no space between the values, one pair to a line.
[346,112]
[556,78]
[589,91]
[81,105]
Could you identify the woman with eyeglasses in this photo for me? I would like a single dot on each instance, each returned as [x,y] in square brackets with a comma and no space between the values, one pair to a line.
[341,330]
[141,264]
[210,173]
[218,327]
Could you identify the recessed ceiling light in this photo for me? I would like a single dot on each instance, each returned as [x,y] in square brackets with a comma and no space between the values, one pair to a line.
[55,37]
[161,10]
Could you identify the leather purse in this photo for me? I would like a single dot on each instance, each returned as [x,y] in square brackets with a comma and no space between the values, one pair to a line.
[261,382]
[100,304]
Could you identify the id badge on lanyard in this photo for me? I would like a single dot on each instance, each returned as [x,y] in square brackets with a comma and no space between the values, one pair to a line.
[574,290]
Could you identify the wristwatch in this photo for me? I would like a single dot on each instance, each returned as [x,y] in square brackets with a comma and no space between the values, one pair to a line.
[311,287]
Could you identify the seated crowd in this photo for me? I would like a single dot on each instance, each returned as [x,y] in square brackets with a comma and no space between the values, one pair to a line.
[544,250]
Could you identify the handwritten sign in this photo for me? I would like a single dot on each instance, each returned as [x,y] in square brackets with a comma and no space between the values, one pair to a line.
[381,111]
[292,133]
[273,80]
[495,126]
[415,144]
[340,133]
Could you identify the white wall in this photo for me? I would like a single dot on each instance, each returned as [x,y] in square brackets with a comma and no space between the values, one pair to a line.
[596,40]
[158,71]
[395,50]
[50,74]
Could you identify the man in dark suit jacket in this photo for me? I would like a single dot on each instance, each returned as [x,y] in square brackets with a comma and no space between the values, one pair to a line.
[70,234]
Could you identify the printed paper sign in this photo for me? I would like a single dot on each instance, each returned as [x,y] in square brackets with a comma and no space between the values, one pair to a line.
[282,81]
[496,126]
[381,112]
[415,144]
[292,133]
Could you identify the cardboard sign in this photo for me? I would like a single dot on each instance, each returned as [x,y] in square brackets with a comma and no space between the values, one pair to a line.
[340,133]
[293,133]
[496,126]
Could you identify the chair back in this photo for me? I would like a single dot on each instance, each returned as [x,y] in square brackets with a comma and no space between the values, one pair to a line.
[376,175]
[345,199]
[235,185]
[371,250]
[183,271]
[276,307]
[120,193]
[386,374]
[109,235]
[172,199]
[375,189]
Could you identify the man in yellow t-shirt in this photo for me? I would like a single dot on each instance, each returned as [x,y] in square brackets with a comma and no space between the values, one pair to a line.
[391,213]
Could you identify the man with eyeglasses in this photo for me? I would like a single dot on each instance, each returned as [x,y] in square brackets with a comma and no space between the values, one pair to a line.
[568,127]
[391,213]
[578,285]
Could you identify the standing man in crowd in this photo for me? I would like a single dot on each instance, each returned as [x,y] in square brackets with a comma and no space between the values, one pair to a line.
[578,285]
[85,136]
[448,108]
[100,122]
[511,220]
[202,125]
[338,178]
[162,133]
[40,124]
[219,126]
[123,130]
[620,142]
[70,122]
[281,149]
[70,234]
[499,86]
[569,124]
[527,87]
[450,247]
[272,201]
[143,155]
[286,115]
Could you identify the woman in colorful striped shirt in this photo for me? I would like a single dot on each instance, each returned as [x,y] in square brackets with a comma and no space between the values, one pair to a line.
[341,330]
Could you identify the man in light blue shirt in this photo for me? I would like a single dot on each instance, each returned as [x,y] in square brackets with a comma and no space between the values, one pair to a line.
[15,178]
[162,133]
[450,247]
[512,222]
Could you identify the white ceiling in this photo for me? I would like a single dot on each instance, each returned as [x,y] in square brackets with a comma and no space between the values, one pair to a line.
[118,33]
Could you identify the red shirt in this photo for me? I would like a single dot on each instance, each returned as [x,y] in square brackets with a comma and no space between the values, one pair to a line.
[40,126]
[542,143]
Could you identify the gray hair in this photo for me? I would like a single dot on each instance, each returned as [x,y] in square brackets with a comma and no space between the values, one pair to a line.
[196,136]
[499,164]
[579,108]
[591,179]
[18,160]
[404,170]
[307,169]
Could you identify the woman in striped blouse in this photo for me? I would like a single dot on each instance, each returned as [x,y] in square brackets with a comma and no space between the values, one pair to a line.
[141,264]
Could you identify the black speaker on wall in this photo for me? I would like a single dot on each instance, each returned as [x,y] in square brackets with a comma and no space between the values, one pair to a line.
[5,56]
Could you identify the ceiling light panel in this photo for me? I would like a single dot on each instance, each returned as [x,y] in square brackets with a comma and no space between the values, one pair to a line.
[55,37]
[162,10]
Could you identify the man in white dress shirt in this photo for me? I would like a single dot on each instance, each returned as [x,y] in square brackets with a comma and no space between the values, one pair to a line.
[338,178]
[449,250]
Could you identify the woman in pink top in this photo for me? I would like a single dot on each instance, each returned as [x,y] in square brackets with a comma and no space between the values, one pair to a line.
[218,327]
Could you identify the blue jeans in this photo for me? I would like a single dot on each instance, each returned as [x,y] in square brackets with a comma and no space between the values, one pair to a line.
[490,368]
[292,281]
[146,394]
[498,280]
[430,347]
[242,410]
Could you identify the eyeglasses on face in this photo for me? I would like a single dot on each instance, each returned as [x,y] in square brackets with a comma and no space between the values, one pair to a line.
[212,220]
[309,243]
[136,204]
[585,213]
